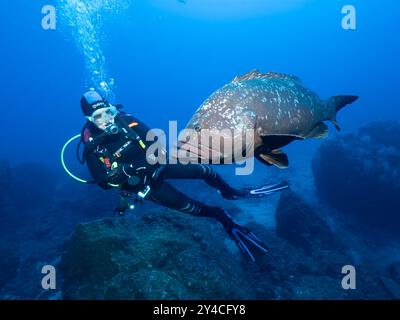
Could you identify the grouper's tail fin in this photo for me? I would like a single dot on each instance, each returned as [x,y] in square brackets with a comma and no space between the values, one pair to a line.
[337,103]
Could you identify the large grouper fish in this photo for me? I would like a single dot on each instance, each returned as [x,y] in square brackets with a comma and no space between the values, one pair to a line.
[276,108]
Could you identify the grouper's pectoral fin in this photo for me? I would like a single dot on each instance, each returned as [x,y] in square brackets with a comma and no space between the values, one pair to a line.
[277,141]
[274,157]
[269,152]
[320,131]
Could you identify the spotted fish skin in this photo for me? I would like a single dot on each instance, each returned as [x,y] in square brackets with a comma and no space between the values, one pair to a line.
[271,104]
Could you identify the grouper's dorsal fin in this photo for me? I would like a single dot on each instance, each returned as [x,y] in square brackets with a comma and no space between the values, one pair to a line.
[255,74]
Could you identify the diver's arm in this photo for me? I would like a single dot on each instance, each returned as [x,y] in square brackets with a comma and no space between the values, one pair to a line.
[97,170]
[105,176]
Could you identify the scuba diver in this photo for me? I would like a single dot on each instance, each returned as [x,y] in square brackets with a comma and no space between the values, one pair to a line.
[115,153]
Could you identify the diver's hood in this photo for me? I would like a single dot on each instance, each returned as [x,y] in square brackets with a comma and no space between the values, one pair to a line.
[92,101]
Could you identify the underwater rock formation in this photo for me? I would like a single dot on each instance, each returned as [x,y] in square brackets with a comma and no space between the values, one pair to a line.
[390,280]
[9,264]
[359,174]
[394,271]
[161,255]
[297,222]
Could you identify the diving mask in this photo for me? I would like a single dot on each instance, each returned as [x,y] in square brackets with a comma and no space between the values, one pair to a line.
[104,117]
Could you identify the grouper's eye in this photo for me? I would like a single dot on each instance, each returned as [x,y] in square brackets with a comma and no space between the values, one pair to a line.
[197,127]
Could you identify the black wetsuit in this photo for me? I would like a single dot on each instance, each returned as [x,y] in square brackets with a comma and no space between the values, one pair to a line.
[162,192]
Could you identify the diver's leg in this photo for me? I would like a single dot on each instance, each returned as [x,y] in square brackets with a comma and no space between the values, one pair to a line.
[204,172]
[167,196]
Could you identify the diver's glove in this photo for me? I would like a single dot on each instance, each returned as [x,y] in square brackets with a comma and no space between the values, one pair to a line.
[233,194]
[123,173]
[124,203]
[117,174]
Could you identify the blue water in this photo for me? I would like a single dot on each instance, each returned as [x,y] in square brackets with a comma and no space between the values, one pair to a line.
[165,62]
[162,59]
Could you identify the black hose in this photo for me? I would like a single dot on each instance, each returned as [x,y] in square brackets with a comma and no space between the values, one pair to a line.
[81,160]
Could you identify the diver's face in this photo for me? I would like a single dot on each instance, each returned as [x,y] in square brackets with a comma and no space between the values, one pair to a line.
[104,117]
